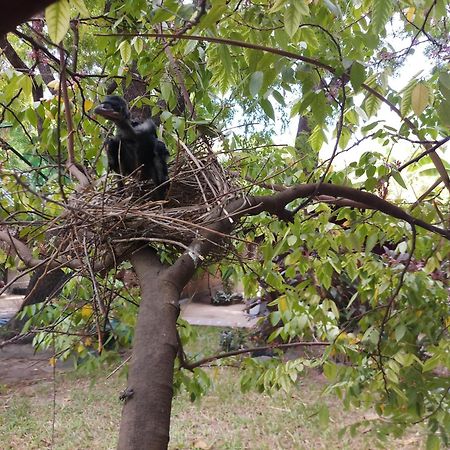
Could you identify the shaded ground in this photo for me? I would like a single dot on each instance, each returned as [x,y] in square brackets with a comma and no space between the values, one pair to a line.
[79,411]
[19,363]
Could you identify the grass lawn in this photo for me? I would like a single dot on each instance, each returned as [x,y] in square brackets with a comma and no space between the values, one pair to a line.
[86,414]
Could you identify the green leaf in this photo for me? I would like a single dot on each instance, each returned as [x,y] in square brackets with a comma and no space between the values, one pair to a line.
[357,75]
[324,416]
[330,370]
[292,19]
[346,135]
[372,105]
[324,274]
[279,98]
[138,45]
[371,183]
[125,51]
[274,334]
[444,112]
[165,115]
[372,239]
[333,8]
[302,7]
[57,16]
[224,54]
[444,84]
[433,442]
[302,321]
[307,35]
[391,375]
[277,6]
[26,83]
[162,15]
[165,13]
[214,14]
[291,240]
[381,13]
[302,104]
[293,257]
[81,7]
[190,47]
[275,317]
[431,363]
[371,335]
[166,90]
[400,332]
[317,138]
[405,359]
[256,82]
[405,105]
[440,10]
[27,325]
[420,97]
[267,108]
[398,178]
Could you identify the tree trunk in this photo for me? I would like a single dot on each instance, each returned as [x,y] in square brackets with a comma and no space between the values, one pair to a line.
[146,413]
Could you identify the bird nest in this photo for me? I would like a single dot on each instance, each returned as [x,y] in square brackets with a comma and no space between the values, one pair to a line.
[106,215]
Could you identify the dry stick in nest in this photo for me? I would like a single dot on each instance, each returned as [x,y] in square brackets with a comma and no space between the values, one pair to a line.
[152,226]
[198,188]
[201,192]
[218,183]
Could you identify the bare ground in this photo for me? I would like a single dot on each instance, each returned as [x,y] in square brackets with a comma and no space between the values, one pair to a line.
[20,364]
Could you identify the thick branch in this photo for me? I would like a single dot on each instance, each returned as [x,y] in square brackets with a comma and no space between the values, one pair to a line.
[183,269]
[277,203]
[12,56]
[21,250]
[18,64]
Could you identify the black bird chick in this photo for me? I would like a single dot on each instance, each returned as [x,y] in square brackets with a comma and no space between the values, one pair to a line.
[135,149]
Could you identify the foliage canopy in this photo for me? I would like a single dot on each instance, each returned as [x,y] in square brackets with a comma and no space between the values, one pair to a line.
[238,74]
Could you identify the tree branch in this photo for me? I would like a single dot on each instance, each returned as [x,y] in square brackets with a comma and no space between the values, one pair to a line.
[12,56]
[183,269]
[71,166]
[429,150]
[277,203]
[316,63]
[25,254]
[192,365]
[232,42]
[8,146]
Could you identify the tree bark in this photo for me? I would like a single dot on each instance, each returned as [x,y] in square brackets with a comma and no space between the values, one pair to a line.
[148,398]
[14,13]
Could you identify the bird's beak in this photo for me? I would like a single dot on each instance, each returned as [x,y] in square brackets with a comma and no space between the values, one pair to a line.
[105,110]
